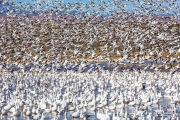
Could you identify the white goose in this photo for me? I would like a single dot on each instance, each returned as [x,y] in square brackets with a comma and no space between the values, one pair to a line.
[149,116]
[103,116]
[92,102]
[89,98]
[113,107]
[155,101]
[28,112]
[33,110]
[12,109]
[54,108]
[37,117]
[4,112]
[61,111]
[160,111]
[125,116]
[116,117]
[8,107]
[132,103]
[98,98]
[76,114]
[43,104]
[65,117]
[149,103]
[71,108]
[16,111]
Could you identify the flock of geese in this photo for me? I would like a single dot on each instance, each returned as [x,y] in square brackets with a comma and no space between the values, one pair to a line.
[121,36]
[28,92]
[105,95]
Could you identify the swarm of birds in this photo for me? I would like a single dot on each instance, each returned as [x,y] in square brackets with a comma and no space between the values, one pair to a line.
[98,31]
[106,95]
[95,60]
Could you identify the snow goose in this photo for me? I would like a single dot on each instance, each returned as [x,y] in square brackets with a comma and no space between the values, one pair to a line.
[84,110]
[155,101]
[82,114]
[37,117]
[149,103]
[89,98]
[174,116]
[113,97]
[31,103]
[58,101]
[28,112]
[48,110]
[71,108]
[80,105]
[64,102]
[43,104]
[176,97]
[141,117]
[76,114]
[85,103]
[116,117]
[149,116]
[125,116]
[33,110]
[54,108]
[16,111]
[119,106]
[21,103]
[120,100]
[61,111]
[159,95]
[149,87]
[7,107]
[38,110]
[65,116]
[134,116]
[160,111]
[138,112]
[126,100]
[92,102]
[173,88]
[103,116]
[145,100]
[132,103]
[138,102]
[43,116]
[105,102]
[81,97]
[4,112]
[172,101]
[24,109]
[98,98]
[167,91]
[100,105]
[93,108]
[12,109]
[113,106]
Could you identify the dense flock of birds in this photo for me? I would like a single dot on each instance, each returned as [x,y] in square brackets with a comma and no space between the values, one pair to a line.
[44,32]
[101,95]
[20,46]
[53,36]
[45,53]
[97,7]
